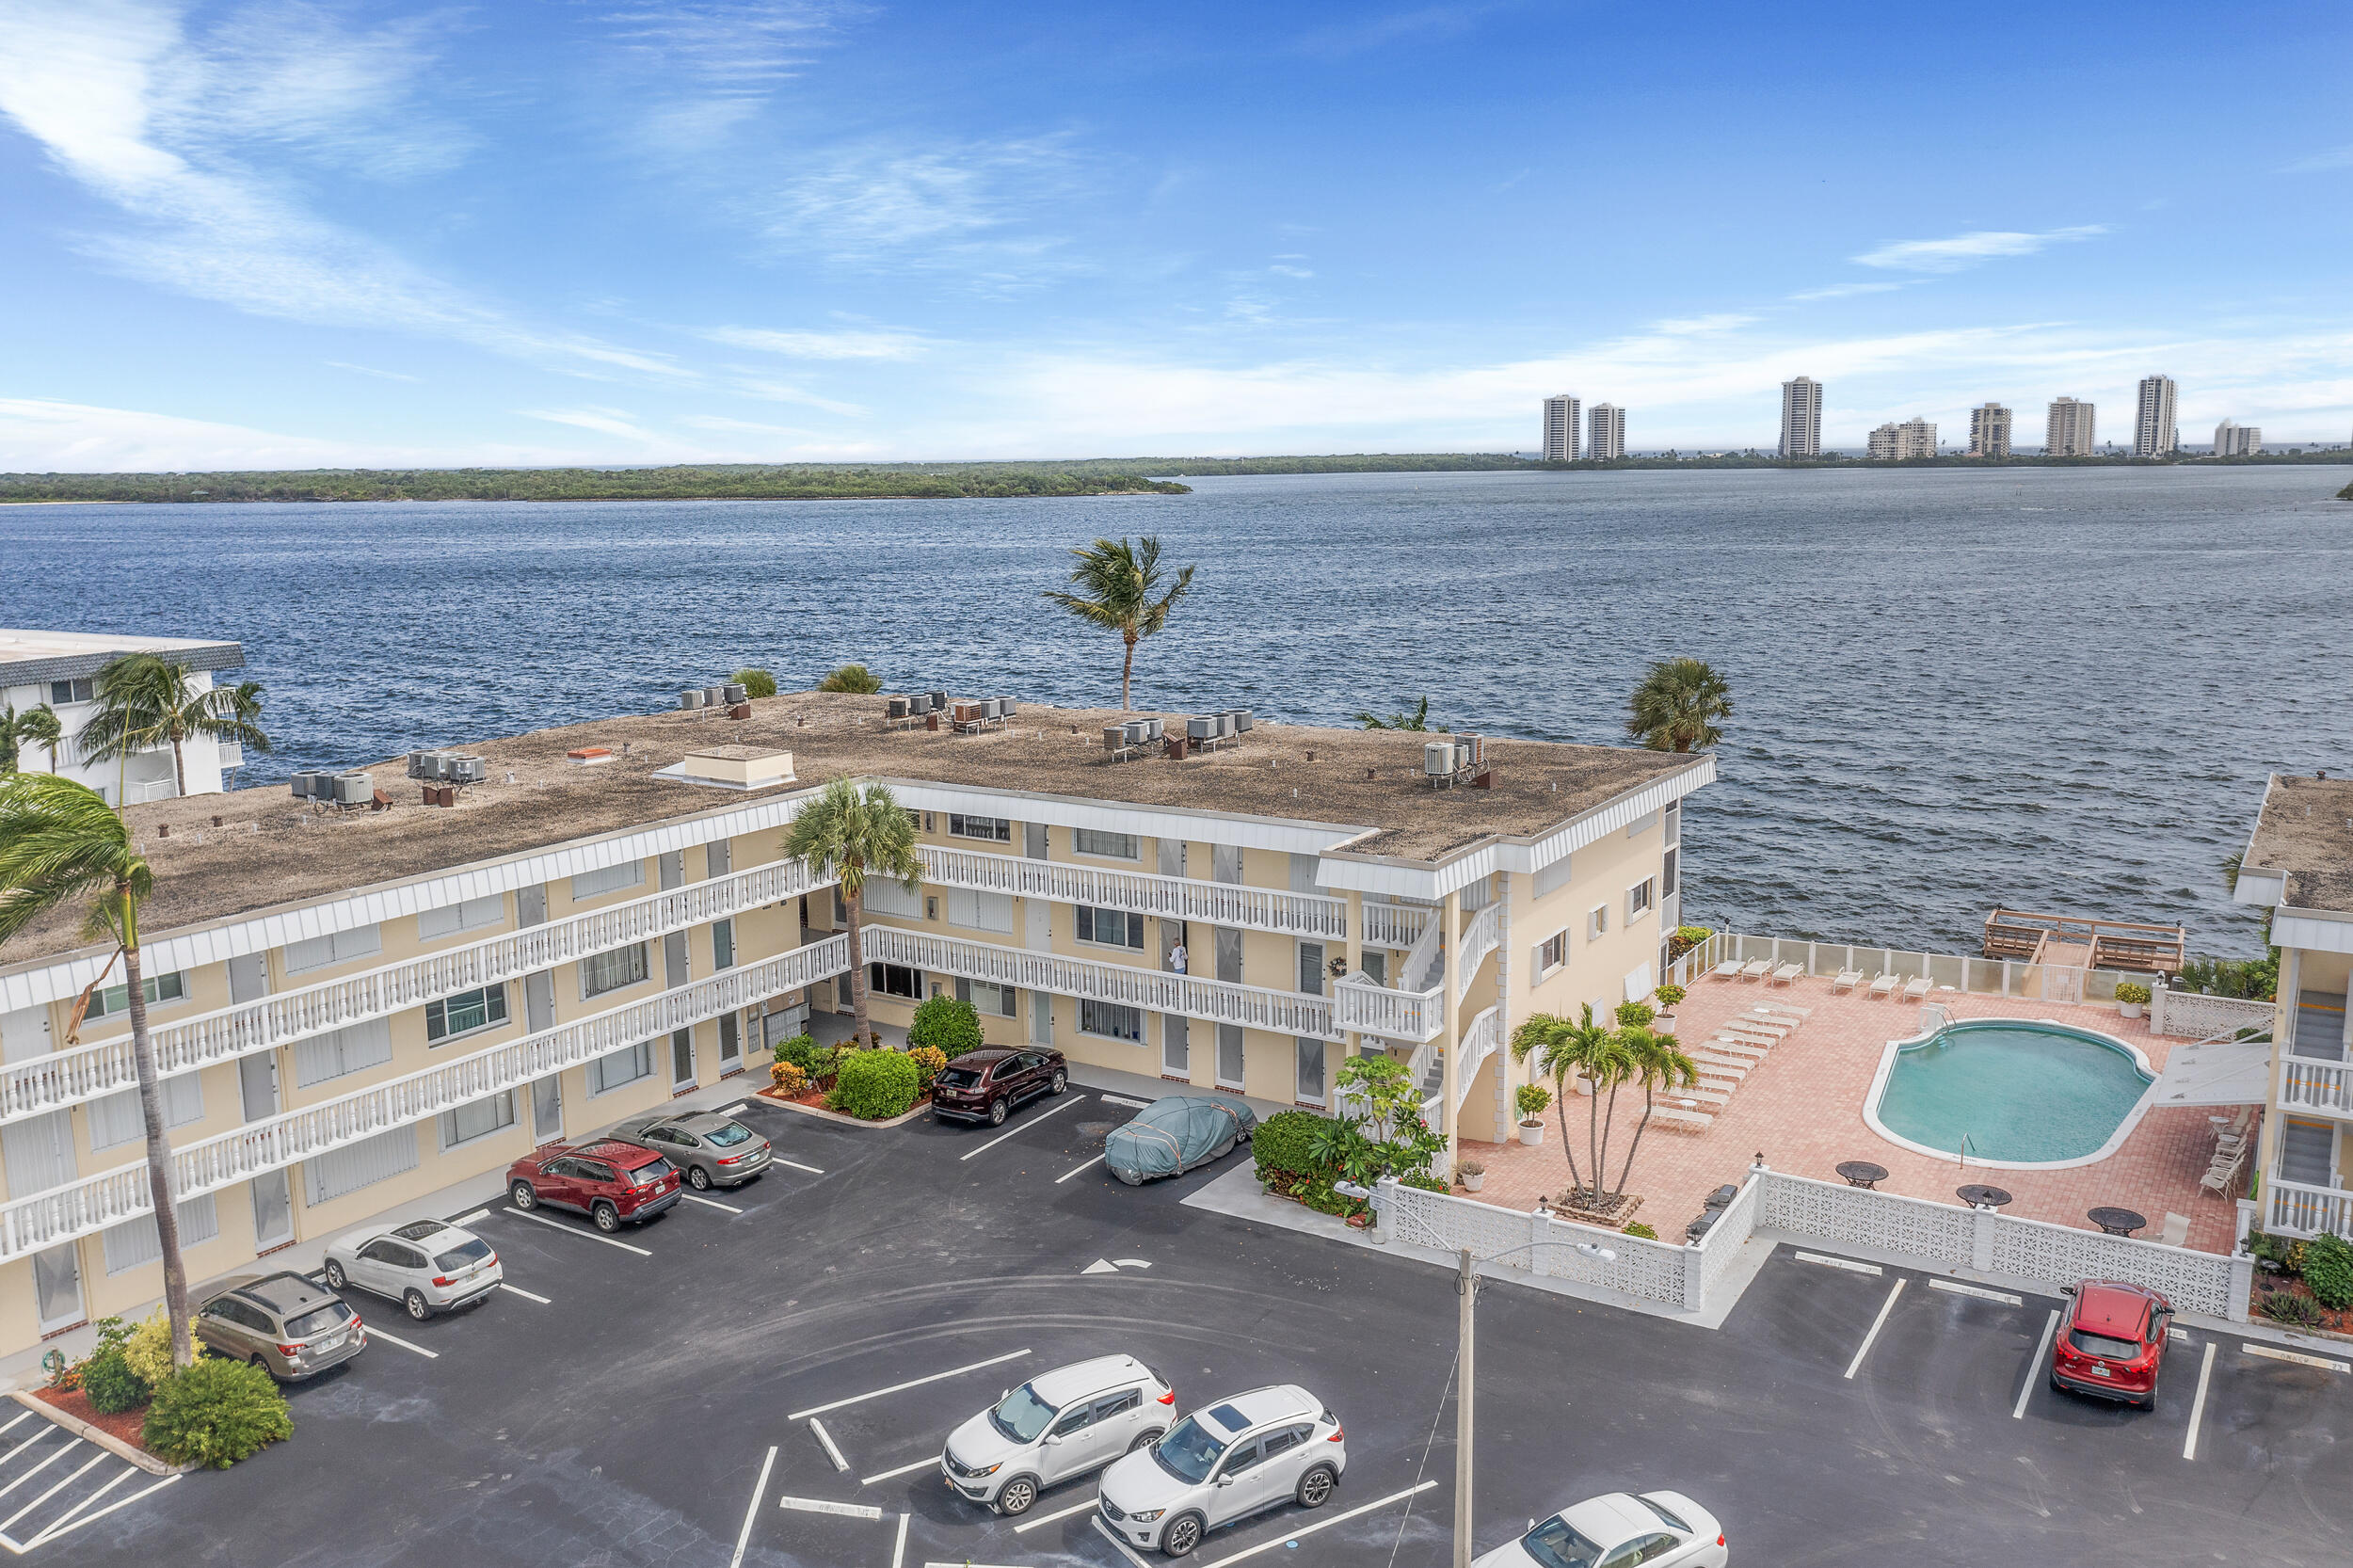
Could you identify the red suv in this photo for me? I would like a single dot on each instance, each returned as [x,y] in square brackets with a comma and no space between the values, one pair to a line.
[610,1181]
[2113,1342]
[986,1085]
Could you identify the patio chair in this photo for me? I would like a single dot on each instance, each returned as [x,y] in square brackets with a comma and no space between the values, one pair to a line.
[1883,985]
[1786,974]
[2176,1232]
[1706,1096]
[1740,1050]
[1918,988]
[1714,1082]
[1766,1020]
[1728,970]
[1789,1010]
[1721,1066]
[1731,1035]
[1755,968]
[1677,1117]
[2222,1173]
[1846,979]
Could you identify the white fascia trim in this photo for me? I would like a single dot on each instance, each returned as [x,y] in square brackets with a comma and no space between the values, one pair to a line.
[1422,880]
[2260,886]
[55,980]
[2311,931]
[1283,834]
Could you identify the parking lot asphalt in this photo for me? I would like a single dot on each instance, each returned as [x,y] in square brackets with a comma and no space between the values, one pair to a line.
[765,1381]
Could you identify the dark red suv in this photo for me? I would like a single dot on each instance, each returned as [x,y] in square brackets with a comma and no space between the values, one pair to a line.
[612,1182]
[986,1085]
[2113,1342]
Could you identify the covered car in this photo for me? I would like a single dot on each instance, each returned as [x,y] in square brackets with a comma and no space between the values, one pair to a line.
[1173,1134]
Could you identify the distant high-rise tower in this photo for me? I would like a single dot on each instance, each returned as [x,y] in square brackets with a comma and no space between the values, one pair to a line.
[2068,431]
[2153,430]
[1561,429]
[2233,440]
[1801,418]
[1901,443]
[1989,431]
[1606,432]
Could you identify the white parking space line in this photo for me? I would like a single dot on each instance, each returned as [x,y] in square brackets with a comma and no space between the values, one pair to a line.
[1050,1111]
[26,1443]
[1105,1530]
[1028,1525]
[1847,1263]
[826,1438]
[733,1110]
[780,1160]
[1121,1100]
[2034,1368]
[899,1551]
[586,1235]
[375,1332]
[1286,1538]
[94,1460]
[711,1202]
[469,1219]
[1962,1287]
[529,1296]
[21,1415]
[1877,1324]
[1076,1169]
[61,1528]
[2198,1405]
[39,1468]
[930,1463]
[819,1505]
[743,1536]
[911,1382]
[63,1520]
[2301,1359]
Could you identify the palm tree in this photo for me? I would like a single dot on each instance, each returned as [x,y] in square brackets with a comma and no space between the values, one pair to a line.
[1657,1064]
[1676,705]
[1417,720]
[1119,581]
[60,841]
[1563,1049]
[852,678]
[858,836]
[144,698]
[41,725]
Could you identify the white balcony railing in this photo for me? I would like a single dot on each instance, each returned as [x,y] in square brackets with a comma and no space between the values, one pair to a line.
[1372,1009]
[2323,1086]
[2296,1209]
[1173,897]
[1479,938]
[1479,1043]
[1395,925]
[45,1083]
[92,1203]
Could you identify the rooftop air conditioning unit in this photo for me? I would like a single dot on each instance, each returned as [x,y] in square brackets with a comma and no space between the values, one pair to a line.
[1006,706]
[1437,757]
[1201,729]
[968,712]
[688,700]
[1133,732]
[421,764]
[354,789]
[1241,719]
[714,696]
[1116,736]
[467,770]
[1154,729]
[895,706]
[938,700]
[313,784]
[992,707]
[736,692]
[1477,745]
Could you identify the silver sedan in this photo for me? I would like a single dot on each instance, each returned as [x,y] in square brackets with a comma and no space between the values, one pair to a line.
[711,1150]
[425,1265]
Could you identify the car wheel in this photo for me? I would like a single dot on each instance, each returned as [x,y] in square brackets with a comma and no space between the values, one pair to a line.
[1145,1440]
[1133,1179]
[523,1197]
[263,1361]
[698,1178]
[608,1218]
[996,1112]
[1315,1486]
[1016,1496]
[1182,1535]
[418,1306]
[335,1277]
[1061,1082]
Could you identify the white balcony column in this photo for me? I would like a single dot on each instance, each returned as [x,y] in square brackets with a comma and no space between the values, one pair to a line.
[1505,1113]
[1449,1095]
[2282,1035]
[1356,954]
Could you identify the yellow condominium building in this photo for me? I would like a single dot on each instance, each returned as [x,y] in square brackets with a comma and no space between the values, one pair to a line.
[365,992]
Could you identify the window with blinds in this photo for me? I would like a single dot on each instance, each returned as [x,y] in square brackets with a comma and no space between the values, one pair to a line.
[137,1242]
[609,971]
[478,1119]
[339,947]
[616,1068]
[329,1175]
[352,1049]
[608,879]
[116,1119]
[474,914]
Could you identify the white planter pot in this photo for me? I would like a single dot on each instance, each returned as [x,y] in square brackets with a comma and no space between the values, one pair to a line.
[1663,1024]
[1474,1182]
[1531,1134]
[2129,1009]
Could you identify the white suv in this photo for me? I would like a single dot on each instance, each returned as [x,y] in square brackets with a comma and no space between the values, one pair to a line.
[1060,1424]
[1238,1457]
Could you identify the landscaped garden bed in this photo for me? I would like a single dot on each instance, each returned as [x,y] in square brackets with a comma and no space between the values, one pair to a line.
[2304,1285]
[874,1083]
[211,1412]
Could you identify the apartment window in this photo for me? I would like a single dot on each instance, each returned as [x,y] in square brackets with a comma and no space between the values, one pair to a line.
[722,944]
[1670,828]
[340,947]
[718,857]
[1553,954]
[608,879]
[616,1068]
[361,1164]
[63,692]
[1117,928]
[882,895]
[1111,1020]
[895,980]
[137,1242]
[468,1011]
[989,998]
[158,988]
[996,831]
[610,971]
[979,911]
[353,1048]
[1641,898]
[471,915]
[1106,846]
[1667,872]
[116,1118]
[477,1120]
[1597,921]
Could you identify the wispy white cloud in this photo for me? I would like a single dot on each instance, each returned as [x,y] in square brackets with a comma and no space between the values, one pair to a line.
[1378,32]
[1285,269]
[844,345]
[1840,291]
[45,436]
[1968,251]
[964,205]
[1691,327]
[369,369]
[2320,163]
[783,392]
[742,47]
[608,421]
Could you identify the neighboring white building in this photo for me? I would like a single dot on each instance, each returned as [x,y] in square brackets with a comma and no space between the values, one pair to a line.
[1989,431]
[2233,440]
[2154,430]
[1801,418]
[1900,443]
[1606,427]
[1561,429]
[2068,429]
[60,668]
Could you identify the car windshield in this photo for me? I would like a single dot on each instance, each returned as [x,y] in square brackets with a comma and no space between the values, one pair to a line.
[1664,1517]
[1189,1451]
[456,1258]
[325,1320]
[959,1078]
[1554,1544]
[1020,1415]
[728,1136]
[2104,1344]
[647,1175]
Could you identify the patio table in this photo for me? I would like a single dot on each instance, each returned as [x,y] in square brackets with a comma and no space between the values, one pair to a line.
[1861,1173]
[1979,1196]
[2116,1221]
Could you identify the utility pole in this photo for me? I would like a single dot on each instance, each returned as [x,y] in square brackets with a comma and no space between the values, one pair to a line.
[1467,1288]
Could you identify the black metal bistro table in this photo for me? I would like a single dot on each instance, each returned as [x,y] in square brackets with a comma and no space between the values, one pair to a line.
[1979,1196]
[1861,1173]
[2116,1221]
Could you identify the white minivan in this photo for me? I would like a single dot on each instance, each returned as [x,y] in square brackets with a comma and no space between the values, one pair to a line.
[1064,1423]
[1238,1457]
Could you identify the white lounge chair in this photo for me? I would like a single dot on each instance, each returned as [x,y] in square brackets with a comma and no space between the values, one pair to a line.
[1728,970]
[1789,1010]
[1743,1050]
[1715,1082]
[1883,985]
[1786,974]
[1706,1096]
[2176,1232]
[1752,1040]
[1721,1066]
[1917,987]
[2222,1173]
[1846,979]
[1765,1021]
[1675,1116]
[1756,969]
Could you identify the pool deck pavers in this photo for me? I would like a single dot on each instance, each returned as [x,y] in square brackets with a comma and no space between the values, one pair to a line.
[1802,1109]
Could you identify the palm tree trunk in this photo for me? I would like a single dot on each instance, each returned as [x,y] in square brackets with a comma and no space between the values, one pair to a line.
[159,1182]
[1601,1155]
[179,765]
[1592,1137]
[855,905]
[1568,1150]
[1126,669]
[1625,1172]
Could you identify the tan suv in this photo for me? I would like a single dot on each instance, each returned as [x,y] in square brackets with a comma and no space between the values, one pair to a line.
[282,1323]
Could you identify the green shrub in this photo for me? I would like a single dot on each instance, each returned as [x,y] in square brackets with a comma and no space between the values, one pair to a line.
[1286,1142]
[216,1412]
[2254,978]
[110,1383]
[874,1084]
[1424,1180]
[1686,938]
[148,1349]
[2132,991]
[801,1050]
[756,683]
[1532,1098]
[1671,995]
[2329,1271]
[946,1025]
[1636,1227]
[2286,1306]
[1636,1014]
[928,1061]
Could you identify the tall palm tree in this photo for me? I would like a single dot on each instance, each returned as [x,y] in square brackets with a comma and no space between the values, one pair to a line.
[1118,582]
[1417,720]
[41,725]
[860,836]
[60,841]
[1657,1064]
[244,707]
[144,698]
[1676,705]
[1566,1048]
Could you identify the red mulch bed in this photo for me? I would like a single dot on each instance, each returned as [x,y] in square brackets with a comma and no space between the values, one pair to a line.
[75,1403]
[2329,1322]
[815,1099]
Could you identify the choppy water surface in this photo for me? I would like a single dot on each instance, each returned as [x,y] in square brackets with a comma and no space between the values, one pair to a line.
[2054,688]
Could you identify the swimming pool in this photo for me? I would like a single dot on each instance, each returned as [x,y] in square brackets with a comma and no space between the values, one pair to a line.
[2021,1094]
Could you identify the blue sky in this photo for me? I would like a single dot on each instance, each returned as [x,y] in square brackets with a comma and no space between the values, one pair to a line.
[616,231]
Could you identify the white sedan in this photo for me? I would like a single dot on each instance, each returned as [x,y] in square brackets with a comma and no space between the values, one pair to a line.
[1657,1529]
[425,1265]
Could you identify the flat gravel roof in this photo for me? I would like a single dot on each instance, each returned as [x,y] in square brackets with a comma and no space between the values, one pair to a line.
[2306,831]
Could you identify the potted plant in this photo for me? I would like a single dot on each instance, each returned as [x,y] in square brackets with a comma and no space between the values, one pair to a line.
[1532,1098]
[1471,1173]
[1669,995]
[2131,997]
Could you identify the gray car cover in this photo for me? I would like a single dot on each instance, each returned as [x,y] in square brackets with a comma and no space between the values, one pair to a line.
[1172,1135]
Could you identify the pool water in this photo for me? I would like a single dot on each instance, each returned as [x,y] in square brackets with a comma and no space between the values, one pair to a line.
[2021,1093]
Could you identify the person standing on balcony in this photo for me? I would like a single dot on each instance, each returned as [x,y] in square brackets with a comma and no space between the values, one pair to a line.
[1176,958]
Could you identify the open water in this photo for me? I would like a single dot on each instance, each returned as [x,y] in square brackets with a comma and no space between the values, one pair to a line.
[2050,688]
